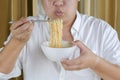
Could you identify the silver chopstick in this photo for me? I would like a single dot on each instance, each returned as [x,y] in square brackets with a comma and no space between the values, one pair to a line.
[11,22]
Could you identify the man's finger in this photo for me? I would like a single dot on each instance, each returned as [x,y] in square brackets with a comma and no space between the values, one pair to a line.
[80,45]
[71,67]
[75,61]
[23,28]
[18,23]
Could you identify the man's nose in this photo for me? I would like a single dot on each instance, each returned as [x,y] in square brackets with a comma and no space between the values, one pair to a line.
[58,3]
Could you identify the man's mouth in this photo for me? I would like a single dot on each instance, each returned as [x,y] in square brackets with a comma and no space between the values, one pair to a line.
[59,13]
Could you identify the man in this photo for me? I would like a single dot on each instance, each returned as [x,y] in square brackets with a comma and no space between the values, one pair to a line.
[96,57]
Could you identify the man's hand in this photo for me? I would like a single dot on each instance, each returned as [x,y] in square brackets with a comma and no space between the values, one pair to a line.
[21,30]
[86,59]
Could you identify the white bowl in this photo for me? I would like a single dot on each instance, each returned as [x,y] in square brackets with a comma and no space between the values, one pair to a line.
[57,54]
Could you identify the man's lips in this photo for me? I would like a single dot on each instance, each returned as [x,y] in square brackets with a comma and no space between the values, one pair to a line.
[58,13]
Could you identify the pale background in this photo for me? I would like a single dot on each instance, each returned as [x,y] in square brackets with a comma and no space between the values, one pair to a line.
[108,10]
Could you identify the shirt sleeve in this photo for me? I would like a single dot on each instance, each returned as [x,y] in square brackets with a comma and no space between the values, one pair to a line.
[16,70]
[111,45]
[15,73]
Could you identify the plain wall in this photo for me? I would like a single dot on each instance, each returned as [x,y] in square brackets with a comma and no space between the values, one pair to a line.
[4,19]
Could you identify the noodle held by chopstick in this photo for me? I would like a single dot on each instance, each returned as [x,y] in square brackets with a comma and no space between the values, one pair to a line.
[56,33]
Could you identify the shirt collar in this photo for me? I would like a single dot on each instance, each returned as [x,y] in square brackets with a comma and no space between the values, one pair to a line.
[76,24]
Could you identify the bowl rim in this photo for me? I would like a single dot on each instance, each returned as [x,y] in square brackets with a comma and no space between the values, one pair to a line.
[70,42]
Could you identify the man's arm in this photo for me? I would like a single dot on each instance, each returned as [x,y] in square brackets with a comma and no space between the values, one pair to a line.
[107,70]
[88,59]
[9,55]
[21,31]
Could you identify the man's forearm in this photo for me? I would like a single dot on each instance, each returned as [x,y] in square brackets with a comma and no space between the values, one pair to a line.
[107,70]
[9,55]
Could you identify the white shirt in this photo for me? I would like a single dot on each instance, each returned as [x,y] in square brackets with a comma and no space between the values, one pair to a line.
[96,34]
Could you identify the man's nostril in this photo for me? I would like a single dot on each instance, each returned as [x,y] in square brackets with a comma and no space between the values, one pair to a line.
[58,3]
